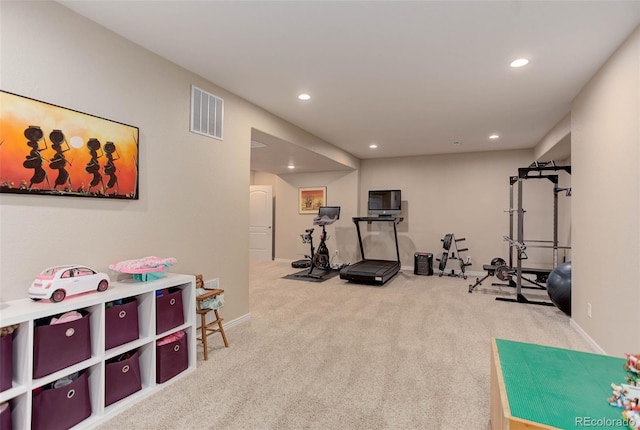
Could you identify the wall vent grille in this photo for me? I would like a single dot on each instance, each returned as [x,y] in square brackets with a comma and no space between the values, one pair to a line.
[207,113]
[212,284]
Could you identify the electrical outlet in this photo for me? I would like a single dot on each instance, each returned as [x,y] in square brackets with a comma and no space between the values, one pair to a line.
[337,252]
[589,310]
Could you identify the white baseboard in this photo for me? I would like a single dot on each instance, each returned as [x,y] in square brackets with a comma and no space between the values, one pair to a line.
[234,322]
[586,337]
[237,321]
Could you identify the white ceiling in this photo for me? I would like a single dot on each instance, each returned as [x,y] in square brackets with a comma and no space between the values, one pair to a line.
[412,77]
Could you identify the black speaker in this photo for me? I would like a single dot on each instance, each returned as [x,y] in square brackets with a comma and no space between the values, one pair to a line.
[423,263]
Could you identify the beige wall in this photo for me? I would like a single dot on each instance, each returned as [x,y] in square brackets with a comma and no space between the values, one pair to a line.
[194,191]
[465,194]
[342,187]
[605,150]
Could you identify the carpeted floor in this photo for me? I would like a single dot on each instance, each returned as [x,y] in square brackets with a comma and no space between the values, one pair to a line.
[412,354]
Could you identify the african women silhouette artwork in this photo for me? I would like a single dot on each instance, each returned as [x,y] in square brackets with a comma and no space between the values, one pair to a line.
[49,150]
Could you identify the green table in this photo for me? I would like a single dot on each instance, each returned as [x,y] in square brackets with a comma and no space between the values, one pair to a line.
[542,387]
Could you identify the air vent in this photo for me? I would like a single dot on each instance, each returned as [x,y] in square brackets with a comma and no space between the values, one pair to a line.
[206,113]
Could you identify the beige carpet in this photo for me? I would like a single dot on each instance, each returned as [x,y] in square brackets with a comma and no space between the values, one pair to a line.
[413,354]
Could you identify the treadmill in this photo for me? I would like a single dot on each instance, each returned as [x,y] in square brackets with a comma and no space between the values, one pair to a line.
[375,272]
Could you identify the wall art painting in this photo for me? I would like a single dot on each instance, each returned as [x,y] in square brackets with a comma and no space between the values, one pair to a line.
[310,199]
[50,150]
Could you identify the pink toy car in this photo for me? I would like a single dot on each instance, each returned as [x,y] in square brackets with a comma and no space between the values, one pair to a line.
[55,283]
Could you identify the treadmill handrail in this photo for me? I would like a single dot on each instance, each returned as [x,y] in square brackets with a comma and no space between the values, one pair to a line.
[394,220]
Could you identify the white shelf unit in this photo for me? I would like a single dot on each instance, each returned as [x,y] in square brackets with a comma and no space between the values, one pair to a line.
[25,312]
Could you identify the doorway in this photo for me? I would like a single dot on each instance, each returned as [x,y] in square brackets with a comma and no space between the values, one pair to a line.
[260,223]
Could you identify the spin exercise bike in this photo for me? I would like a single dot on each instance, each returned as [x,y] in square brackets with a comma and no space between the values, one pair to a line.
[320,258]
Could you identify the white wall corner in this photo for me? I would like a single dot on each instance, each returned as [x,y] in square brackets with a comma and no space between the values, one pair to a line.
[556,137]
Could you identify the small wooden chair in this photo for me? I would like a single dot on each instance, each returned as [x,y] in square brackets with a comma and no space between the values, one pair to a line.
[214,326]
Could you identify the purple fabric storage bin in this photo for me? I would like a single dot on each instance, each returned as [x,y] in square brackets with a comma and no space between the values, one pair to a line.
[169,313]
[121,324]
[5,418]
[171,359]
[6,362]
[122,378]
[60,345]
[63,407]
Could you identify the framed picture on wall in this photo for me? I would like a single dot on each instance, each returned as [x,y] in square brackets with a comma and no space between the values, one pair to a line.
[50,150]
[310,199]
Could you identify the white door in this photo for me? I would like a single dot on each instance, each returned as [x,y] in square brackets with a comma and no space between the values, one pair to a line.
[260,222]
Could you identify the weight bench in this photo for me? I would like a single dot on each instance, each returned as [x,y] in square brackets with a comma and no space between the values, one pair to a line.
[491,271]
[504,274]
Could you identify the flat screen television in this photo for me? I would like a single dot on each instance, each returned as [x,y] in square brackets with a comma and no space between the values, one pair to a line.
[384,202]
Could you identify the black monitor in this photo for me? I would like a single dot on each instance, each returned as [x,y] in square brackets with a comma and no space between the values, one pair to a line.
[331,212]
[384,202]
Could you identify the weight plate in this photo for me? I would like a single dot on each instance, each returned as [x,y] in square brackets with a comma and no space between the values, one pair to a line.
[498,262]
[446,242]
[443,261]
[502,273]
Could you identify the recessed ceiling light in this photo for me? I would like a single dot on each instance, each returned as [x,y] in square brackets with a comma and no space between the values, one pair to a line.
[373,146]
[494,136]
[304,96]
[291,167]
[519,62]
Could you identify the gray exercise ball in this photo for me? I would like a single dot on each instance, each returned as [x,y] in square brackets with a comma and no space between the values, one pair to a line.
[559,287]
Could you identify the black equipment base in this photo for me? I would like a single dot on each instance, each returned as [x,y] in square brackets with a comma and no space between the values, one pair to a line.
[522,299]
[300,264]
[318,275]
[370,271]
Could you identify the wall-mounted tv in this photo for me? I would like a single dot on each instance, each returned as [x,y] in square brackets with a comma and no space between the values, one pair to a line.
[384,202]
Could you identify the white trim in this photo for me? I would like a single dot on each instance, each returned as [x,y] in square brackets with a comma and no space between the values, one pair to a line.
[586,337]
[237,321]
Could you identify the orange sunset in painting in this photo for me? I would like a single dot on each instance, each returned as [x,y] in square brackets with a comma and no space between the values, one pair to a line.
[311,199]
[47,149]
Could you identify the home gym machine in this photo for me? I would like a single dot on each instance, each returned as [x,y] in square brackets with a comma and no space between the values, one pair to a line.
[319,260]
[449,254]
[498,266]
[373,271]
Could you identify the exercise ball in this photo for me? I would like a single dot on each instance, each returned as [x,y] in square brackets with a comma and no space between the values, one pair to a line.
[559,287]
